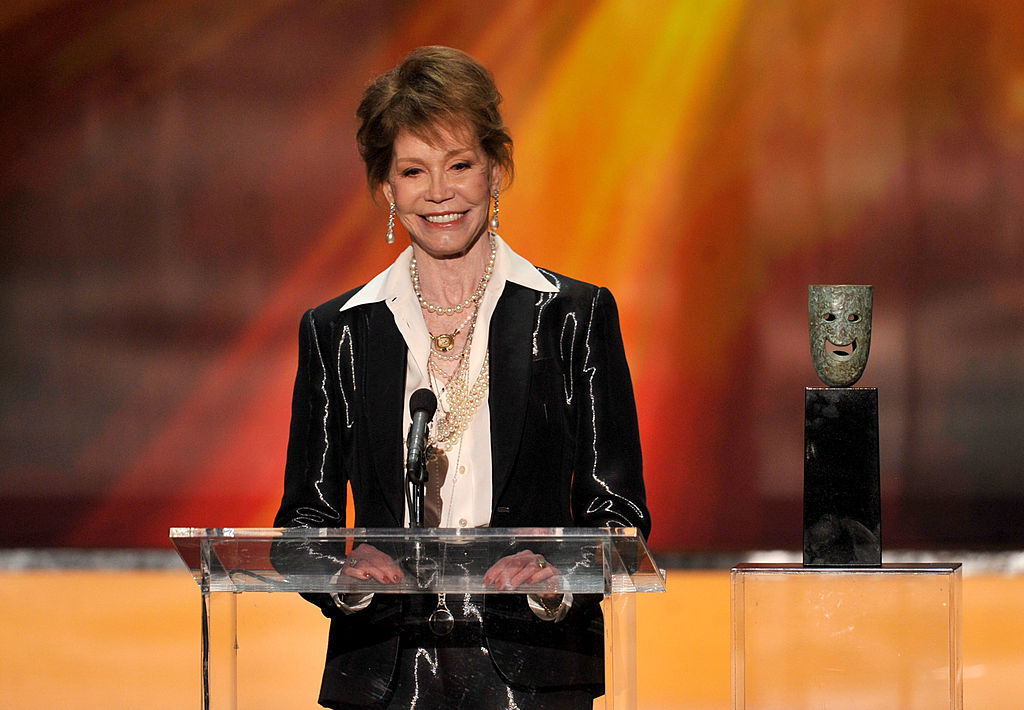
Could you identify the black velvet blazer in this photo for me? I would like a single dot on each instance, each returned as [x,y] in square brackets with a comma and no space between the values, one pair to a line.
[565,452]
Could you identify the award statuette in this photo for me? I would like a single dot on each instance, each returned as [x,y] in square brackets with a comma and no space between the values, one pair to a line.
[842,508]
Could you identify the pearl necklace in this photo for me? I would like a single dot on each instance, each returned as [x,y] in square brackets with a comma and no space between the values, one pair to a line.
[414,272]
[463,400]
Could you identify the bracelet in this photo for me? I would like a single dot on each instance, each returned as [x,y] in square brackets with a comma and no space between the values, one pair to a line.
[551,606]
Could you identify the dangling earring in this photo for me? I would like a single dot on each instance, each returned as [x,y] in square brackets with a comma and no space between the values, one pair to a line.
[494,219]
[390,236]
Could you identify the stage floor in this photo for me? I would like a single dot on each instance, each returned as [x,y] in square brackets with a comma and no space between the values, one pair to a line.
[77,639]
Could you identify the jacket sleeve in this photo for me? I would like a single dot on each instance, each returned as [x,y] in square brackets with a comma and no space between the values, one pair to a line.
[314,481]
[608,486]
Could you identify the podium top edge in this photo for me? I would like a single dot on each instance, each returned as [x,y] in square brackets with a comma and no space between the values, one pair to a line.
[179,533]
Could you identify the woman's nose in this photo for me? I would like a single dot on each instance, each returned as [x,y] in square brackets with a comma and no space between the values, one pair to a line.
[439,189]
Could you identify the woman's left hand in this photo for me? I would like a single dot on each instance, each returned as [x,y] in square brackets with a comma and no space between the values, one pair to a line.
[524,567]
[366,561]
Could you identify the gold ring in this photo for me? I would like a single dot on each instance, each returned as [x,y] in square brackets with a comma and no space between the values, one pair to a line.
[541,563]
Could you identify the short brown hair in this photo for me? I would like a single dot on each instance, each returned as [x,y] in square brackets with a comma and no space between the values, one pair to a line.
[432,88]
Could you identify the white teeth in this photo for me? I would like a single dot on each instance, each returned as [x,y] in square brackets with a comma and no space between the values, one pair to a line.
[443,218]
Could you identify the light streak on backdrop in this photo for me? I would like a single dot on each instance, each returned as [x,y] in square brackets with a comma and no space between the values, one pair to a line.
[180,183]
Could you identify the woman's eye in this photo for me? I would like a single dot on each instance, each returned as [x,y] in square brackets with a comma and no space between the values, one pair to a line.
[463,165]
[409,172]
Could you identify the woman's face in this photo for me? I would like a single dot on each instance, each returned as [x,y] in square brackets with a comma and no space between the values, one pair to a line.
[441,191]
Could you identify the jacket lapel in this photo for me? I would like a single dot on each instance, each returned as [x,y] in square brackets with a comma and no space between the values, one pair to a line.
[385,391]
[510,360]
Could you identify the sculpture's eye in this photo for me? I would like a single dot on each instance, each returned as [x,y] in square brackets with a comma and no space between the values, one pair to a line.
[853,317]
[829,317]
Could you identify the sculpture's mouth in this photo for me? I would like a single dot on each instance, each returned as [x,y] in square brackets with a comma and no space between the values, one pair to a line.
[841,351]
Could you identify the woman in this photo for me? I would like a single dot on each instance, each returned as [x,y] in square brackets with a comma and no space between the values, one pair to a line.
[536,423]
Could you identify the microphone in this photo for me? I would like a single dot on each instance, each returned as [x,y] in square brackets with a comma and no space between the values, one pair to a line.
[422,405]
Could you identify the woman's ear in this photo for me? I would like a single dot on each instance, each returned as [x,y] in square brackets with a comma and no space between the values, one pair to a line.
[388,193]
[497,175]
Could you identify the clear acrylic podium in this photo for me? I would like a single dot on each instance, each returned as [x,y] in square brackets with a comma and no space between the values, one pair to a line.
[885,637]
[226,562]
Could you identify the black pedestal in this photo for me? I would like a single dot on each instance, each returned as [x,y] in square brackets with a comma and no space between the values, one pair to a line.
[842,508]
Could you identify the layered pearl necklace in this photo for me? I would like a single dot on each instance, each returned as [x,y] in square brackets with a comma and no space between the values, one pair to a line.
[458,399]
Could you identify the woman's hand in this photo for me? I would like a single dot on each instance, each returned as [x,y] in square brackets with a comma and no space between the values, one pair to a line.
[524,567]
[366,562]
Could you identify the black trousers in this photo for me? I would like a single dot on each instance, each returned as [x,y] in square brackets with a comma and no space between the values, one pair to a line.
[455,671]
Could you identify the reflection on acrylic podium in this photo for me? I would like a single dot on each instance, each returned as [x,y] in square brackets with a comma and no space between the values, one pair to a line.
[230,562]
[846,638]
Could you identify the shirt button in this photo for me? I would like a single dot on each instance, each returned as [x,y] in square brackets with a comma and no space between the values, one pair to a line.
[463,522]
[462,469]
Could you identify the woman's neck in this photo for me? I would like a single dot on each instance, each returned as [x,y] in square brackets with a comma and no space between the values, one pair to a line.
[447,282]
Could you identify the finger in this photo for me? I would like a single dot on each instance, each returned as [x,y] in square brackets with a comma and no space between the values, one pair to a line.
[496,577]
[503,580]
[368,570]
[361,568]
[512,566]
[540,571]
[360,573]
[384,569]
[519,576]
[393,572]
[367,561]
[509,572]
[497,572]
[544,575]
[491,572]
[380,575]
[534,568]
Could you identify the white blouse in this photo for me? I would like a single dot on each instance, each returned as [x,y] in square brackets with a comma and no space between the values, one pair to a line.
[466,493]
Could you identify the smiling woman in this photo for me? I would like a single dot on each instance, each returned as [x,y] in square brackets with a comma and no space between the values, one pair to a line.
[536,422]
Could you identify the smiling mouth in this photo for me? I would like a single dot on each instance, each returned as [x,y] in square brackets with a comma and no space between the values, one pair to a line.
[446,218]
[841,352]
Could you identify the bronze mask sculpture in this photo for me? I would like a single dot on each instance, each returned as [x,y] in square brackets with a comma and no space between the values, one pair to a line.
[840,323]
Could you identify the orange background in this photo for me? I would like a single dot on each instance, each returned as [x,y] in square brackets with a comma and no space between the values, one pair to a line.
[179,181]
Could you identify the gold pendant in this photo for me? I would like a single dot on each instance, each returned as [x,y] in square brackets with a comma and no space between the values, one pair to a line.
[444,342]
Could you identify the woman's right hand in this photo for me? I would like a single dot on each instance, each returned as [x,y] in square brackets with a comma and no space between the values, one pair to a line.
[366,562]
[524,567]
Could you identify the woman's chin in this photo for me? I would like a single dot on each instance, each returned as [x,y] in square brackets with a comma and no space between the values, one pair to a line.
[446,244]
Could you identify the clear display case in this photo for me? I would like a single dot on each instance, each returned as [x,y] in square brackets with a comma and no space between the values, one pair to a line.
[854,638]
